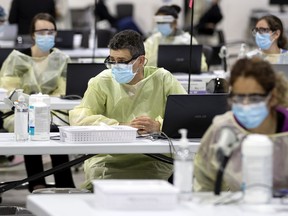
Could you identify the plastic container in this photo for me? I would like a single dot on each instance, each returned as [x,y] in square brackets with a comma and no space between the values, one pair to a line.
[183,168]
[21,118]
[39,117]
[94,134]
[144,195]
[257,169]
[242,51]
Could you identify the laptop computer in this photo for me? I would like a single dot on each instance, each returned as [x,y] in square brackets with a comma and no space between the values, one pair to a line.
[176,58]
[78,75]
[9,32]
[193,112]
[64,39]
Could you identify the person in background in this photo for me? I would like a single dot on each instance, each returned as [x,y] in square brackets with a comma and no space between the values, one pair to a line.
[102,13]
[40,68]
[271,40]
[209,19]
[9,160]
[128,93]
[63,15]
[167,33]
[258,99]
[22,12]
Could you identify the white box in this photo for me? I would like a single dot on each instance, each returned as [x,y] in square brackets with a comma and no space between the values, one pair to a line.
[135,194]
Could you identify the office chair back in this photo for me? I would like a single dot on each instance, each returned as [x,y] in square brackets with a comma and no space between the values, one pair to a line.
[124,10]
[104,36]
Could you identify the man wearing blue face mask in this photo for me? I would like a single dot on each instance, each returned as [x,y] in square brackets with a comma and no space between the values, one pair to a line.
[259,100]
[270,39]
[127,93]
[167,33]
[40,68]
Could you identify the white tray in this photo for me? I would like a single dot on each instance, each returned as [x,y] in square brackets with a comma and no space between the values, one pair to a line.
[95,134]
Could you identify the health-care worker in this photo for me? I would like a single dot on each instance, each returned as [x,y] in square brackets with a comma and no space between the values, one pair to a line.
[271,40]
[40,68]
[258,99]
[168,33]
[128,93]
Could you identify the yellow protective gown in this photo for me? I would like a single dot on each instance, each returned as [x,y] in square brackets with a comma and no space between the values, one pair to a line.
[206,165]
[152,43]
[106,101]
[34,74]
[281,58]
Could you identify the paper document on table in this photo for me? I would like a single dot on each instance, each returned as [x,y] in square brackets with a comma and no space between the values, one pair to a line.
[94,134]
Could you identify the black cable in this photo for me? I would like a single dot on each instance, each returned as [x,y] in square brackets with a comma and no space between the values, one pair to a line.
[190,54]
[161,158]
[54,114]
[95,33]
[14,184]
[219,177]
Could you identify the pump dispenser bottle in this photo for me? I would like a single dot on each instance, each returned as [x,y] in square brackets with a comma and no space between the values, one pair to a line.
[183,167]
[21,118]
[242,51]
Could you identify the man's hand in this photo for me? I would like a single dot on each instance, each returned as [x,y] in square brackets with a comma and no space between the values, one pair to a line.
[145,125]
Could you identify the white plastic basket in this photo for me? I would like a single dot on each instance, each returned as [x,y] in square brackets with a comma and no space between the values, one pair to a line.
[97,134]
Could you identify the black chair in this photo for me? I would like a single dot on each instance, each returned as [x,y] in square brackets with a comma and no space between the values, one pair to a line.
[104,36]
[124,10]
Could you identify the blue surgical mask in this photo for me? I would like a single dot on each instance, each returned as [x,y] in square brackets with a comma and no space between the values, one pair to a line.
[250,115]
[263,41]
[123,73]
[164,28]
[45,42]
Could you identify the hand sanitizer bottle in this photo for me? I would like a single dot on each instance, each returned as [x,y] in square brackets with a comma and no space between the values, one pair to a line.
[257,169]
[21,118]
[183,168]
[242,51]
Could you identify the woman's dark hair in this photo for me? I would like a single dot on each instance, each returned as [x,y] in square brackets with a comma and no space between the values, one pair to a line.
[172,10]
[275,24]
[128,39]
[41,16]
[262,71]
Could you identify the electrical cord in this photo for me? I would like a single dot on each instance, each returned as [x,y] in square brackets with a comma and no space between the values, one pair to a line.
[160,157]
[60,118]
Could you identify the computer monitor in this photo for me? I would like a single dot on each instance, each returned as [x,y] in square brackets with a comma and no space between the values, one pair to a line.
[176,58]
[78,75]
[281,4]
[193,112]
[64,39]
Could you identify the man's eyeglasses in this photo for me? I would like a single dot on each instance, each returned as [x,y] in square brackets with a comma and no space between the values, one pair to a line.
[45,32]
[260,30]
[110,63]
[248,98]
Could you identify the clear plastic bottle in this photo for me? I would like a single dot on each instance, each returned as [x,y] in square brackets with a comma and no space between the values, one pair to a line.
[21,118]
[257,169]
[39,117]
[242,51]
[183,167]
